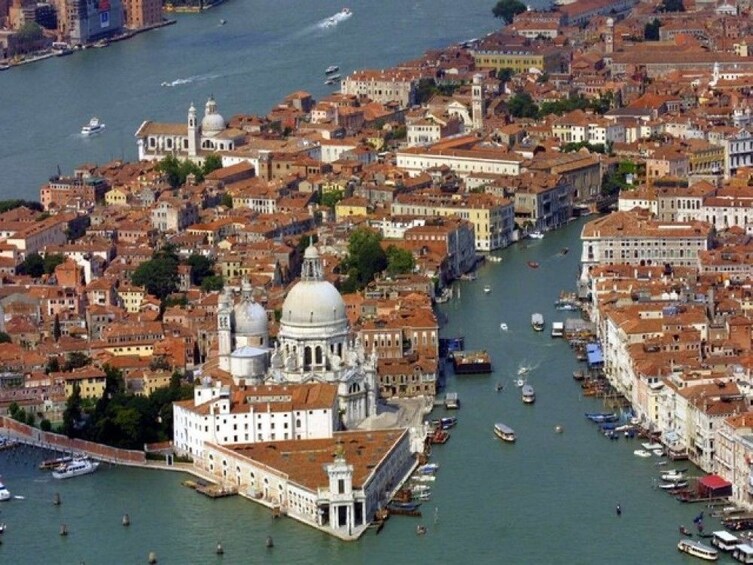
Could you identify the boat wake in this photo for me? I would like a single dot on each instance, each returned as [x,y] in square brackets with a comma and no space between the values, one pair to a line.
[189,80]
[334,20]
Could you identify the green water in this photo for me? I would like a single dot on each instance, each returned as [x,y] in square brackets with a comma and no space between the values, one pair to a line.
[549,498]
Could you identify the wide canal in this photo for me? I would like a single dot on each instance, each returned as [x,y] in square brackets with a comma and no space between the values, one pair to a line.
[549,498]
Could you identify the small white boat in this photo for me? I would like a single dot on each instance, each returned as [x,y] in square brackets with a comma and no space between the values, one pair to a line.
[537,322]
[75,468]
[487,289]
[223,22]
[420,489]
[642,453]
[697,549]
[528,394]
[673,475]
[505,433]
[4,492]
[94,126]
[651,446]
[523,371]
[503,327]
[494,259]
[329,81]
[331,69]
[520,382]
[428,469]
[536,235]
[673,485]
[424,478]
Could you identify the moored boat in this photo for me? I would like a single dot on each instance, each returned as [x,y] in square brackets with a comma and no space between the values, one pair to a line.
[533,264]
[75,468]
[642,453]
[698,549]
[54,463]
[428,468]
[673,475]
[468,362]
[536,235]
[331,69]
[672,485]
[504,432]
[743,553]
[724,540]
[528,395]
[4,492]
[451,401]
[409,506]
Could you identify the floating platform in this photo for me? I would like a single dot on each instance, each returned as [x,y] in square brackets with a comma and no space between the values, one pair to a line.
[471,362]
[216,491]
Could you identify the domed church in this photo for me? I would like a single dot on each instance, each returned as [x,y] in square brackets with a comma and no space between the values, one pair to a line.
[313,343]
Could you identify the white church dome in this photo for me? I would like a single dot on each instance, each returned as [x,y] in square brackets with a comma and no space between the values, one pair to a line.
[250,318]
[313,302]
[212,123]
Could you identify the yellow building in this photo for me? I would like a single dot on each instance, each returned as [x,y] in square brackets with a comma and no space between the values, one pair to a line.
[90,380]
[116,197]
[131,297]
[518,59]
[349,207]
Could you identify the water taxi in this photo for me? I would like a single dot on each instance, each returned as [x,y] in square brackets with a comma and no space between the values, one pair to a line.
[536,235]
[487,289]
[451,401]
[94,126]
[528,394]
[75,468]
[697,549]
[331,69]
[505,433]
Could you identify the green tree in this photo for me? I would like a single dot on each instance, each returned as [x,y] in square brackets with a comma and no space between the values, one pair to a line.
[331,198]
[32,265]
[505,74]
[542,78]
[365,258]
[227,200]
[72,413]
[53,365]
[31,419]
[522,106]
[213,282]
[76,360]
[201,268]
[159,275]
[5,338]
[176,171]
[651,30]
[30,31]
[508,9]
[211,163]
[56,331]
[13,409]
[52,261]
[399,260]
[45,425]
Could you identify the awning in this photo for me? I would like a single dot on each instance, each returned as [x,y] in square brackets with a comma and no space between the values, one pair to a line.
[594,354]
[714,482]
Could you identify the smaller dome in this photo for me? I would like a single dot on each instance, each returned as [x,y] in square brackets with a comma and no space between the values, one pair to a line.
[250,318]
[311,253]
[212,124]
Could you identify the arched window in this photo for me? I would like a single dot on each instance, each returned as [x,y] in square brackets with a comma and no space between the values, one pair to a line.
[307,358]
[318,355]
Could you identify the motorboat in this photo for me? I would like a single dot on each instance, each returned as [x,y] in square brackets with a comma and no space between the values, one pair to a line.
[673,475]
[528,395]
[420,489]
[428,468]
[494,259]
[404,506]
[602,417]
[329,81]
[520,383]
[331,69]
[223,22]
[503,327]
[642,453]
[504,432]
[94,126]
[724,540]
[487,289]
[651,446]
[537,322]
[75,468]
[533,264]
[335,78]
[445,423]
[698,549]
[424,478]
[523,370]
[4,492]
[54,463]
[536,235]
[673,485]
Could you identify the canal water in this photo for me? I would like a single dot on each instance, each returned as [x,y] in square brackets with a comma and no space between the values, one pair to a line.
[266,50]
[549,498]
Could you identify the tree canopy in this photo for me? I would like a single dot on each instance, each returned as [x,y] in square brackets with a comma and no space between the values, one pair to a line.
[6,205]
[201,268]
[159,275]
[522,106]
[508,9]
[51,261]
[671,6]
[176,171]
[32,265]
[651,30]
[399,261]
[365,259]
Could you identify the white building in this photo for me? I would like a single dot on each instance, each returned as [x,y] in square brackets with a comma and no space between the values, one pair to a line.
[192,140]
[738,151]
